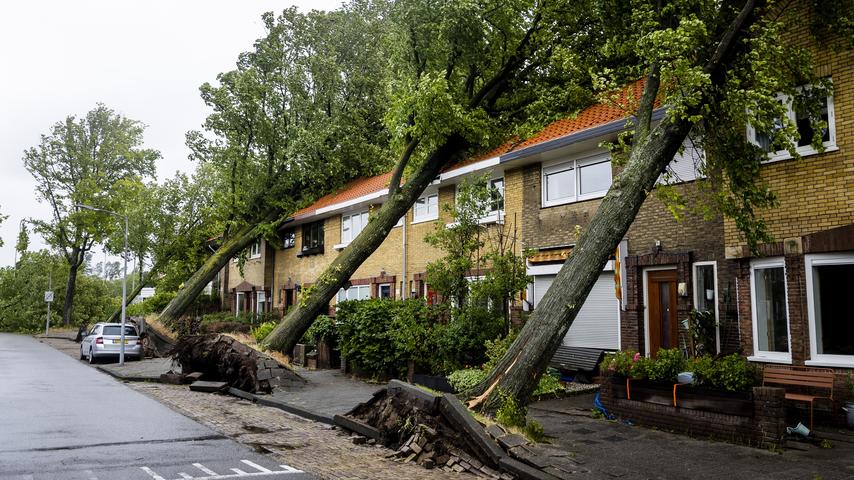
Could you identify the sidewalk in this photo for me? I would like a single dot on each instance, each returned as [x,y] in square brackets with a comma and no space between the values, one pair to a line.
[148,369]
[327,392]
[614,449]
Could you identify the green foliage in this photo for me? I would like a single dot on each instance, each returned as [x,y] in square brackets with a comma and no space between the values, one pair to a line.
[510,413]
[153,304]
[261,331]
[625,363]
[462,341]
[466,379]
[495,349]
[549,384]
[667,365]
[322,329]
[534,431]
[702,328]
[22,306]
[732,373]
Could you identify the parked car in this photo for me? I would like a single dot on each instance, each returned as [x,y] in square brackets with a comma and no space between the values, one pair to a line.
[104,341]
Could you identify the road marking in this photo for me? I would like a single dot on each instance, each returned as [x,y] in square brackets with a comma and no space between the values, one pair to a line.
[204,469]
[91,474]
[238,473]
[151,473]
[256,466]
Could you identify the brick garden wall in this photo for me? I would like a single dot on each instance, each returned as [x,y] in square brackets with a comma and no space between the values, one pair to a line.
[765,428]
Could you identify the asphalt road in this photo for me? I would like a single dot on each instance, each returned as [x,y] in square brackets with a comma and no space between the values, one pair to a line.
[60,419]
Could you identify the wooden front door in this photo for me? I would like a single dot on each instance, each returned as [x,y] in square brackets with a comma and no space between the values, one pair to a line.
[661,305]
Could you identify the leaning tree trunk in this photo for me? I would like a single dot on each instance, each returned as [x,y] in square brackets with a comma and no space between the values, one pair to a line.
[232,246]
[70,288]
[288,332]
[516,374]
[143,281]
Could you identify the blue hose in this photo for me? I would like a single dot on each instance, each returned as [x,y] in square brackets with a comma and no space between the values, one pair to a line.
[598,404]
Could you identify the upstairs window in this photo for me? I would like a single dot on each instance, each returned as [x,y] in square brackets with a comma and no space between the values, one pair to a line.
[312,238]
[576,180]
[255,249]
[803,120]
[426,208]
[496,193]
[288,238]
[352,225]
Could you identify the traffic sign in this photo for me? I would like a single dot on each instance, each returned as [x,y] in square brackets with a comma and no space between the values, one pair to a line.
[48,296]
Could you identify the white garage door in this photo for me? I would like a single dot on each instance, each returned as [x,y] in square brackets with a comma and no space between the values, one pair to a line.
[597,324]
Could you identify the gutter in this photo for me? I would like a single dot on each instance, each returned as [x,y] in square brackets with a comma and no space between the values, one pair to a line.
[615,126]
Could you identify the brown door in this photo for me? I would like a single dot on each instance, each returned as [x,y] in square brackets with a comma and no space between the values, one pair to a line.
[661,304]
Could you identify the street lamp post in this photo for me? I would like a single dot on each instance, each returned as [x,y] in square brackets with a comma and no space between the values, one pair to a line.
[124,278]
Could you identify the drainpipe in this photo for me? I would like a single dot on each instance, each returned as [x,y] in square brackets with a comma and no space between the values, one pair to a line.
[404,286]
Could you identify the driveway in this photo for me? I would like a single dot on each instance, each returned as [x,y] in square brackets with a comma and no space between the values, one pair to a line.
[60,419]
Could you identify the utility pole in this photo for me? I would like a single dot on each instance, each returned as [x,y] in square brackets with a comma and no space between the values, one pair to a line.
[48,297]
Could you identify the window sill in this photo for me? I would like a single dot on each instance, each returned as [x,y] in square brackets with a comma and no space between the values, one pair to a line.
[579,199]
[802,151]
[838,363]
[495,217]
[340,246]
[760,359]
[424,220]
[313,251]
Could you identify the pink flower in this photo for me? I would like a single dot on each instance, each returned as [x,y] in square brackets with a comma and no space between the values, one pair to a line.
[636,357]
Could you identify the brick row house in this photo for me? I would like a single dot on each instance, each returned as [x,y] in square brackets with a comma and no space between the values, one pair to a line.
[786,306]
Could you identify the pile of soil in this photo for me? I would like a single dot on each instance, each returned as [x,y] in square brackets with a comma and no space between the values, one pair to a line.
[220,357]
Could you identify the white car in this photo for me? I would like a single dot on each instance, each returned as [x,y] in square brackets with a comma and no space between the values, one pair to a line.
[104,340]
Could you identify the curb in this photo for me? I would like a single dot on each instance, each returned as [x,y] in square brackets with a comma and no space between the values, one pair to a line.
[126,378]
[293,409]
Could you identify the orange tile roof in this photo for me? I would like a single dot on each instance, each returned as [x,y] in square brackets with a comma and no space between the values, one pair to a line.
[623,104]
[353,189]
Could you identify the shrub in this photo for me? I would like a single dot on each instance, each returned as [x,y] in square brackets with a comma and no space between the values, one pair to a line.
[732,373]
[462,341]
[510,413]
[466,379]
[666,366]
[534,431]
[625,363]
[495,349]
[261,331]
[549,385]
[224,327]
[322,329]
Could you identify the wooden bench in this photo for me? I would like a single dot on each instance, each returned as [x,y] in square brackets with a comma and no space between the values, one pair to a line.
[806,380]
[577,359]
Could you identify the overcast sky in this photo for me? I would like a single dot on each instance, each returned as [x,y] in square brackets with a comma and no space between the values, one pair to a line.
[144,59]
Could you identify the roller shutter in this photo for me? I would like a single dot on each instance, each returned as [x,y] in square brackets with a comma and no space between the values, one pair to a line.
[597,324]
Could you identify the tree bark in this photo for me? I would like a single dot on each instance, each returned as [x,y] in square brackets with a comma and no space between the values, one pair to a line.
[288,332]
[70,288]
[518,371]
[231,247]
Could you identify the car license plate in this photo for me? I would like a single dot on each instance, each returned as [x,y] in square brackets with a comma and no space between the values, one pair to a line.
[119,341]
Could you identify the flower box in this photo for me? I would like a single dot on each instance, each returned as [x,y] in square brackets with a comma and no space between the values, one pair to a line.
[684,396]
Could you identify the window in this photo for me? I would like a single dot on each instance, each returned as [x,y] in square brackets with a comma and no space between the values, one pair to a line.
[352,225]
[801,119]
[384,290]
[289,238]
[355,292]
[312,238]
[239,303]
[426,208]
[496,191]
[830,320]
[576,180]
[770,311]
[255,249]
[260,301]
[706,292]
[117,330]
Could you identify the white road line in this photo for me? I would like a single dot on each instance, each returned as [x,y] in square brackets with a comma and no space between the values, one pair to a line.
[290,469]
[91,474]
[256,466]
[184,475]
[239,472]
[151,473]
[204,469]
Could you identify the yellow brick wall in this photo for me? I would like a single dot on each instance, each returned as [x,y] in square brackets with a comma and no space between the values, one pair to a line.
[253,270]
[815,192]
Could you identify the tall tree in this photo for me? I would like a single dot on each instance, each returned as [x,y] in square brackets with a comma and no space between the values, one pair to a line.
[464,77]
[301,114]
[82,161]
[701,63]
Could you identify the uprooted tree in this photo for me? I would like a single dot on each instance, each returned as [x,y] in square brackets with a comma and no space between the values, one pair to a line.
[464,76]
[290,122]
[701,63]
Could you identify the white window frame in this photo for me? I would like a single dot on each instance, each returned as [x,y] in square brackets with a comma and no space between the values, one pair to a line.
[240,297]
[348,234]
[255,249]
[760,356]
[697,293]
[260,299]
[390,290]
[354,291]
[816,359]
[426,215]
[805,150]
[574,164]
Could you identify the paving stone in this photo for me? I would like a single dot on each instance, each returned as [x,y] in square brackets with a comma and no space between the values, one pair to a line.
[495,430]
[514,440]
[208,387]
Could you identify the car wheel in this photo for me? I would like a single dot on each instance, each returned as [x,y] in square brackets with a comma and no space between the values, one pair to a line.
[91,357]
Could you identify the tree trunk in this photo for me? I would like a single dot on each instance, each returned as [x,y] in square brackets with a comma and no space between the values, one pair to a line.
[518,372]
[232,246]
[143,280]
[288,332]
[70,287]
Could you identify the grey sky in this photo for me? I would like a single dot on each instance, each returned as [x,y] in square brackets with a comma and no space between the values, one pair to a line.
[145,59]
